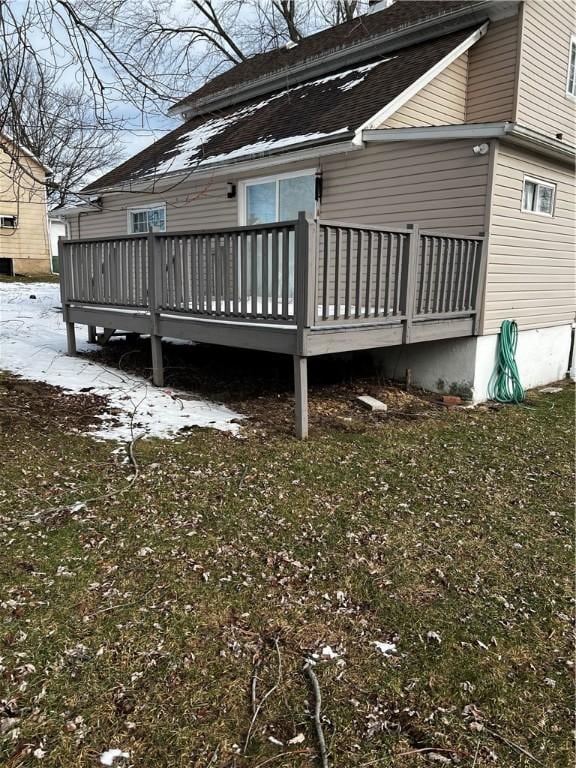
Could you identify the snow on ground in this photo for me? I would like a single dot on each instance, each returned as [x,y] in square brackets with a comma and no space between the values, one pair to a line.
[33,345]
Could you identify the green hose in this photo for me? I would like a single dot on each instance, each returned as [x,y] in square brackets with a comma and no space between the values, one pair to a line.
[504,385]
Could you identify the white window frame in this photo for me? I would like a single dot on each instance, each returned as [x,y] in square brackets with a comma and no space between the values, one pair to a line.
[243,186]
[140,209]
[8,216]
[571,49]
[541,183]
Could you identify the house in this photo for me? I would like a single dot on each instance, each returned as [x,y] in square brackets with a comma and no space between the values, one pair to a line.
[402,182]
[24,238]
[56,229]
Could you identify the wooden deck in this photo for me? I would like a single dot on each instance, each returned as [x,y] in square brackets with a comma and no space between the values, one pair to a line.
[303,288]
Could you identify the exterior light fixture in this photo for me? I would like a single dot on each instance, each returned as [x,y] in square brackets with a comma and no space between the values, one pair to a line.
[230,190]
[318,186]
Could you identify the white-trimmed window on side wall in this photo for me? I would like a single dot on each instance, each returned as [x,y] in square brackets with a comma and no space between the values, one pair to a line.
[145,218]
[538,196]
[571,79]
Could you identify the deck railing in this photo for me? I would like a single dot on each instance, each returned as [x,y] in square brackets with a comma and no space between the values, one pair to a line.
[307,273]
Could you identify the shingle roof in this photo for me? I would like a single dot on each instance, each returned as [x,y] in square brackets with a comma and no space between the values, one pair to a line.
[329,108]
[403,13]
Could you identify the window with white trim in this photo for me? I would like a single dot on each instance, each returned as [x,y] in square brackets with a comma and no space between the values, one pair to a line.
[142,220]
[8,221]
[279,198]
[538,196]
[571,79]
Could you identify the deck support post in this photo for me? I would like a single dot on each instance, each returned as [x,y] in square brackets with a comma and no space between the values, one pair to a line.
[70,339]
[155,292]
[409,266]
[301,396]
[92,334]
[157,363]
[64,266]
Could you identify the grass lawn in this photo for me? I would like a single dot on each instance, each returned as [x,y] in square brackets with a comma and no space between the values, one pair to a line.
[157,616]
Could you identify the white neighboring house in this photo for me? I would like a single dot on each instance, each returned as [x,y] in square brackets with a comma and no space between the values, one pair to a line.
[56,229]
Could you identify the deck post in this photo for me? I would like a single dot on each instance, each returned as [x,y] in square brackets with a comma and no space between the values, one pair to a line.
[70,339]
[64,266]
[479,284]
[301,396]
[154,302]
[409,266]
[92,334]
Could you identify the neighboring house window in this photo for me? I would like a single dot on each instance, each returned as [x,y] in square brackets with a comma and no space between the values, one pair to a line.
[571,80]
[141,220]
[278,198]
[538,196]
[8,221]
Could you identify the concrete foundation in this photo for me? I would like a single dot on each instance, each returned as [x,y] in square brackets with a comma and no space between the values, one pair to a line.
[32,266]
[464,366]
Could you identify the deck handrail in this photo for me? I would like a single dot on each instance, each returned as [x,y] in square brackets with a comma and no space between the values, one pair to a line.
[306,273]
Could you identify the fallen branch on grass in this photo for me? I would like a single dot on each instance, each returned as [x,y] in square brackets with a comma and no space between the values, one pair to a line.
[102,497]
[317,713]
[511,744]
[257,707]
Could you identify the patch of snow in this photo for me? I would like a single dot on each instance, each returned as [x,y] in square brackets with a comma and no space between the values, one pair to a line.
[298,739]
[328,653]
[265,145]
[111,755]
[33,345]
[386,648]
[187,152]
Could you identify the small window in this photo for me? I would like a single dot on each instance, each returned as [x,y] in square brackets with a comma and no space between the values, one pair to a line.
[538,196]
[142,220]
[571,79]
[7,221]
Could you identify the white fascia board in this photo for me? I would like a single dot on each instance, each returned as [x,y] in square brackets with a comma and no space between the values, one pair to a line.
[227,169]
[383,114]
[511,132]
[438,132]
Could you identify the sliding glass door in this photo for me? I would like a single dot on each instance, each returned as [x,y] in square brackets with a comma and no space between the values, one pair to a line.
[270,200]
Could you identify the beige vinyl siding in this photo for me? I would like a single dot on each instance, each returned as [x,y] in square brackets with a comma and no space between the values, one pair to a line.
[492,70]
[441,102]
[531,263]
[23,195]
[542,100]
[439,185]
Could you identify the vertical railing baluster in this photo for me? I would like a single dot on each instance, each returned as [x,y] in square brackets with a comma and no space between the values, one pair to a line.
[244,273]
[388,278]
[359,267]
[378,283]
[275,274]
[348,290]
[368,295]
[235,266]
[326,274]
[337,267]
[265,308]
[286,274]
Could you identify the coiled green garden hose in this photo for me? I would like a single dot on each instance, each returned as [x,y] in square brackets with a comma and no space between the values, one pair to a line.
[505,385]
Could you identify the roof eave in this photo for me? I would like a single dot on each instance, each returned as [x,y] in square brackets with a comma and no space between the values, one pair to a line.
[511,132]
[293,153]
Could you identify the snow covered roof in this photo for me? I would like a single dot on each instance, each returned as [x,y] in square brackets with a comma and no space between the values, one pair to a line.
[322,110]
